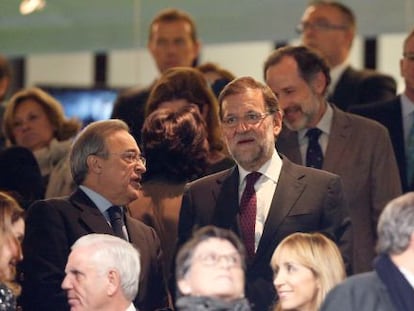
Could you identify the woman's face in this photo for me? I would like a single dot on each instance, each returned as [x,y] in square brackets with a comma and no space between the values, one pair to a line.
[31,127]
[216,271]
[296,285]
[10,252]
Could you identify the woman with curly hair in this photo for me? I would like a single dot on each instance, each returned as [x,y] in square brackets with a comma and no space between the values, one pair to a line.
[175,145]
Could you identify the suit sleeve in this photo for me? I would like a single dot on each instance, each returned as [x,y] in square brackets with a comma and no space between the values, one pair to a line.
[337,222]
[46,248]
[339,299]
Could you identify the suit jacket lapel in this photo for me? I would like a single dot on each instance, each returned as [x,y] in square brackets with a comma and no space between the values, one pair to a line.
[288,144]
[227,204]
[90,216]
[338,140]
[289,188]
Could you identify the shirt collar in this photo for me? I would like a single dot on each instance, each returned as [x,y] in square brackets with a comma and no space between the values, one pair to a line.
[271,169]
[102,203]
[336,74]
[324,123]
[407,106]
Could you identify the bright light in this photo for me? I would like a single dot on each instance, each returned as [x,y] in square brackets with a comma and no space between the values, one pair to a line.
[29,6]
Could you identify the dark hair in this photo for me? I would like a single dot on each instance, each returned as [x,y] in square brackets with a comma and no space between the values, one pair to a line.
[241,85]
[174,15]
[173,142]
[212,67]
[185,254]
[308,60]
[189,84]
[65,128]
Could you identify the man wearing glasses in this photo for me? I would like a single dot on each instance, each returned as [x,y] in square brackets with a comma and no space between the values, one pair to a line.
[397,115]
[329,27]
[265,197]
[107,166]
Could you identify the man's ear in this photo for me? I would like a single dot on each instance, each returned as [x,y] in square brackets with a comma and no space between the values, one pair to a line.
[184,286]
[319,83]
[114,282]
[277,122]
[94,163]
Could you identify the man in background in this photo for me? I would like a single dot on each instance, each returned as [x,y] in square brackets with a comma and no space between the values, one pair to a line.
[107,167]
[329,27]
[390,287]
[5,81]
[101,274]
[397,115]
[172,42]
[320,135]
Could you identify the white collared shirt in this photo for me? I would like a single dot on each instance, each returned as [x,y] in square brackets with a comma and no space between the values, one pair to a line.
[408,275]
[407,111]
[324,125]
[265,188]
[131,307]
[336,74]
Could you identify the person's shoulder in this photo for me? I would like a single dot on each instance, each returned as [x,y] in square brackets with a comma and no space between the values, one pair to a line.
[212,179]
[366,74]
[135,94]
[302,172]
[364,122]
[377,107]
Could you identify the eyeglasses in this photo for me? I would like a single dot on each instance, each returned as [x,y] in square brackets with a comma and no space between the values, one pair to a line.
[213,259]
[129,157]
[319,26]
[409,56]
[251,118]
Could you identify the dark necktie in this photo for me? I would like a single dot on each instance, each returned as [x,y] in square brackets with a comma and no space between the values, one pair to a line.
[314,155]
[248,206]
[116,217]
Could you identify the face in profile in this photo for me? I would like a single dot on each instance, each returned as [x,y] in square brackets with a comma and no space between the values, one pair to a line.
[10,250]
[296,285]
[216,271]
[171,45]
[86,287]
[31,126]
[251,145]
[301,102]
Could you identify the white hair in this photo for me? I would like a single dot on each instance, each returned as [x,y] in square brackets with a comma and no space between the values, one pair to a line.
[110,252]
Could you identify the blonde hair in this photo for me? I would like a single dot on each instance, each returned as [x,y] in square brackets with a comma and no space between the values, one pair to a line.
[65,128]
[10,212]
[319,254]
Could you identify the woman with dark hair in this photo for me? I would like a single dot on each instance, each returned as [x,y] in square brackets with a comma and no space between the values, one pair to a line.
[210,270]
[182,86]
[175,145]
[11,236]
[35,120]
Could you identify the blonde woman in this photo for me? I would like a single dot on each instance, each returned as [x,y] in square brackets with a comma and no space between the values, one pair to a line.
[11,235]
[306,266]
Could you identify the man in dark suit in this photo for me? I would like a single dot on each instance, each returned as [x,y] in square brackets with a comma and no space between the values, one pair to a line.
[357,149]
[172,42]
[106,165]
[329,27]
[397,115]
[287,197]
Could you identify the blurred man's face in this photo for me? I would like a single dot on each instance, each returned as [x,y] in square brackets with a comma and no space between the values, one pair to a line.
[407,67]
[324,29]
[171,45]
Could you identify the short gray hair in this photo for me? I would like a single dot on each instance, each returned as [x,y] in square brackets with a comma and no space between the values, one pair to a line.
[110,252]
[92,141]
[396,225]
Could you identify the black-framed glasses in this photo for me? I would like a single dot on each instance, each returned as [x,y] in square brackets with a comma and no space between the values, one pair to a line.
[319,26]
[251,118]
[213,259]
[129,157]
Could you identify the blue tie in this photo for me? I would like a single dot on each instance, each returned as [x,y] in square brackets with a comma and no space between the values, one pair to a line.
[314,155]
[116,217]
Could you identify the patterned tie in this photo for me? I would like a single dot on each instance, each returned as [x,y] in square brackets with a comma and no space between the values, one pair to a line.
[248,206]
[409,154]
[314,155]
[116,217]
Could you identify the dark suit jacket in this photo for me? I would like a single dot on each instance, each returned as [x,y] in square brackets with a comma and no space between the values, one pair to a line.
[362,292]
[357,87]
[389,114]
[360,151]
[130,107]
[53,225]
[305,200]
